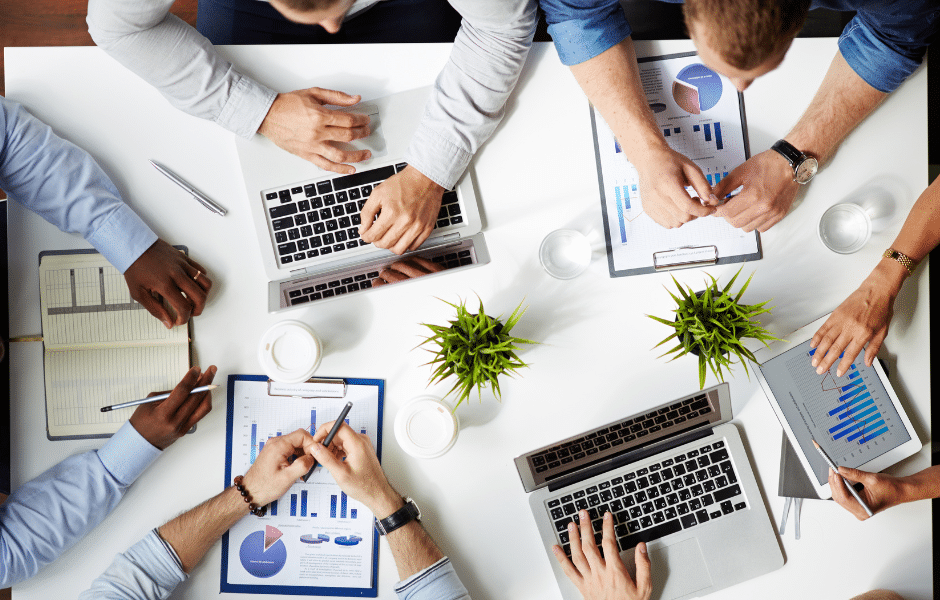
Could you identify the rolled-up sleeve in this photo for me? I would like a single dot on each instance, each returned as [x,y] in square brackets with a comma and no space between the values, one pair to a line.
[149,570]
[437,582]
[582,29]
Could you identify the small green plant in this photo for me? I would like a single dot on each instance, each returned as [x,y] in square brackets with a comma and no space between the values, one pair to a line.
[712,324]
[475,349]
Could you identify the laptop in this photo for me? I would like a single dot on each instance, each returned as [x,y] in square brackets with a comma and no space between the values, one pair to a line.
[676,477]
[307,220]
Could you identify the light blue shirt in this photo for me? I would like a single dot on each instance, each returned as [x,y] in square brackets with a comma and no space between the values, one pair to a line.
[46,516]
[65,186]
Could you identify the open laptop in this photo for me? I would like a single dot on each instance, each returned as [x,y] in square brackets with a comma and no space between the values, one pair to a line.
[676,477]
[307,219]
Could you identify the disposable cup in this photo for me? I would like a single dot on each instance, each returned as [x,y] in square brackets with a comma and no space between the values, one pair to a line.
[289,352]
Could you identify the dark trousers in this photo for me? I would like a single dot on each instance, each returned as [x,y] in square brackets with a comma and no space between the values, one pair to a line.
[390,21]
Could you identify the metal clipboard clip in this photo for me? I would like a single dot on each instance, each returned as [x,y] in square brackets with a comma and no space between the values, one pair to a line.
[685,257]
[315,387]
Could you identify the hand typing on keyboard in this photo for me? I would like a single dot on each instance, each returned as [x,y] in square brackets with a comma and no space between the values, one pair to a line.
[298,122]
[604,577]
[164,273]
[407,204]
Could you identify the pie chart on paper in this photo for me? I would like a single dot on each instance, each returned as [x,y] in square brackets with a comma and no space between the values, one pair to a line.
[696,89]
[263,553]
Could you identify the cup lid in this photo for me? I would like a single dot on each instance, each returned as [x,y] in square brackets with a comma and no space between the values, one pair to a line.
[289,352]
[426,427]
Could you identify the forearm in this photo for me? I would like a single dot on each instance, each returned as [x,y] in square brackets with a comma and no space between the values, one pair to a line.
[173,57]
[148,570]
[194,532]
[843,100]
[412,547]
[611,81]
[923,485]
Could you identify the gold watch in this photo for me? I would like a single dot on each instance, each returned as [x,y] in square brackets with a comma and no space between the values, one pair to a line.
[902,258]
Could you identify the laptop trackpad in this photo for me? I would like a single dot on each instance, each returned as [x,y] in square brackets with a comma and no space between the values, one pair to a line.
[375,142]
[678,569]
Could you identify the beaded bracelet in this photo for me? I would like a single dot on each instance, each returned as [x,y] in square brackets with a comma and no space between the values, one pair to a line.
[258,511]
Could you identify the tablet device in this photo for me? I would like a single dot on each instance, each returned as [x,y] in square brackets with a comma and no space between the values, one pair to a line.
[856,418]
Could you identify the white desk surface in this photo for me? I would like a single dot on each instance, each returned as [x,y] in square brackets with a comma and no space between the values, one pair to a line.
[537,174]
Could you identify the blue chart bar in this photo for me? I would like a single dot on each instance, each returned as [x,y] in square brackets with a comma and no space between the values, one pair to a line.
[333,506]
[852,393]
[274,508]
[313,514]
[362,431]
[676,130]
[868,430]
[846,388]
[708,176]
[254,443]
[623,227]
[872,436]
[717,178]
[812,351]
[303,503]
[853,374]
[313,421]
[708,131]
[278,434]
[858,410]
[695,128]
[868,419]
[293,505]
[353,512]
[869,416]
[343,504]
[666,132]
[617,149]
[718,144]
[260,446]
[846,406]
[347,421]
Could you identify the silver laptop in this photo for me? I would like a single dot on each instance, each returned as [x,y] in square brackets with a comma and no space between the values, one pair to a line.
[307,219]
[676,477]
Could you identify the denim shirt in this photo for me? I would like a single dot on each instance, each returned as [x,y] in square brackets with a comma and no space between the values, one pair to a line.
[884,43]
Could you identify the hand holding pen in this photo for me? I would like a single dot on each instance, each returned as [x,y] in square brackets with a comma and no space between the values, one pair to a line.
[329,437]
[162,423]
[838,484]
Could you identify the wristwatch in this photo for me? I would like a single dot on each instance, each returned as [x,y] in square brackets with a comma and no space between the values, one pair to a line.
[404,515]
[804,165]
[906,261]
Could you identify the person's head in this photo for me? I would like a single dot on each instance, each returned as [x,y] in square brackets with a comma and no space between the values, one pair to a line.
[328,14]
[744,39]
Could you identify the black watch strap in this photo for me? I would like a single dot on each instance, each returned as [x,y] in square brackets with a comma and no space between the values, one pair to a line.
[789,152]
[404,515]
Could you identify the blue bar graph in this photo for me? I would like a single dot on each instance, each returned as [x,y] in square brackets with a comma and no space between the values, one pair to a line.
[333,506]
[343,505]
[857,382]
[846,406]
[254,443]
[666,132]
[623,227]
[313,421]
[854,425]
[274,508]
[853,374]
[313,514]
[857,411]
[260,447]
[708,131]
[695,128]
[718,143]
[293,505]
[872,436]
[278,434]
[852,393]
[353,512]
[867,430]
[676,130]
[303,503]
[617,149]
[708,176]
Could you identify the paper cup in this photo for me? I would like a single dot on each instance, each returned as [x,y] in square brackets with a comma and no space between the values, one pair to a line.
[426,427]
[289,352]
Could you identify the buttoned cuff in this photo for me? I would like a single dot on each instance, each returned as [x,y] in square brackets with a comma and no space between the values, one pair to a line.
[247,106]
[582,39]
[127,454]
[436,157]
[437,582]
[122,238]
[881,66]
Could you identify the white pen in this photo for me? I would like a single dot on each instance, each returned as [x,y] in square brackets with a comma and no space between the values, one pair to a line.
[204,388]
[833,466]
[199,196]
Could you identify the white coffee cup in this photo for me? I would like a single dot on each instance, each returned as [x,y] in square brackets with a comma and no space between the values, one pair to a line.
[426,427]
[289,352]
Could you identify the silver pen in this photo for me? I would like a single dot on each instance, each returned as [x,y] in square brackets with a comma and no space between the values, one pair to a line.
[833,466]
[148,400]
[199,196]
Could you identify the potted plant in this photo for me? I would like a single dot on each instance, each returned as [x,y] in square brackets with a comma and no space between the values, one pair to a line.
[711,324]
[475,349]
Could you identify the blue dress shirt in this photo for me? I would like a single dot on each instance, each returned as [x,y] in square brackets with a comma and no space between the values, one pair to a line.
[46,516]
[65,186]
[884,43]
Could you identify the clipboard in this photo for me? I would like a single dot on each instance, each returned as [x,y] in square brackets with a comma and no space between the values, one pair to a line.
[278,553]
[702,116]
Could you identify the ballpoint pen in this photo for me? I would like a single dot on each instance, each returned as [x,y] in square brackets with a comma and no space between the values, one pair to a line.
[833,466]
[157,398]
[199,196]
[330,436]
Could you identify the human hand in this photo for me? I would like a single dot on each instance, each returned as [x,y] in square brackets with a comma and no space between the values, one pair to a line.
[352,462]
[281,462]
[664,173]
[162,423]
[881,491]
[298,122]
[603,577]
[768,191]
[164,273]
[409,268]
[409,203]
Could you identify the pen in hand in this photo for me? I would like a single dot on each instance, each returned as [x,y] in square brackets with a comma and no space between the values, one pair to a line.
[157,398]
[833,466]
[329,437]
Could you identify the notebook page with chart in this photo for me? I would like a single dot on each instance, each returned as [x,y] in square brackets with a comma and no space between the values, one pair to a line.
[101,347]
[700,115]
[314,540]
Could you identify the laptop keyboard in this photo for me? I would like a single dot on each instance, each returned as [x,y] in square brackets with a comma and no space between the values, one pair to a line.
[321,217]
[676,493]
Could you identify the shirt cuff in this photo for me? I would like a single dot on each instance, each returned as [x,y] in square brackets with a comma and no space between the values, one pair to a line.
[122,238]
[881,66]
[127,454]
[439,581]
[436,157]
[579,40]
[246,107]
